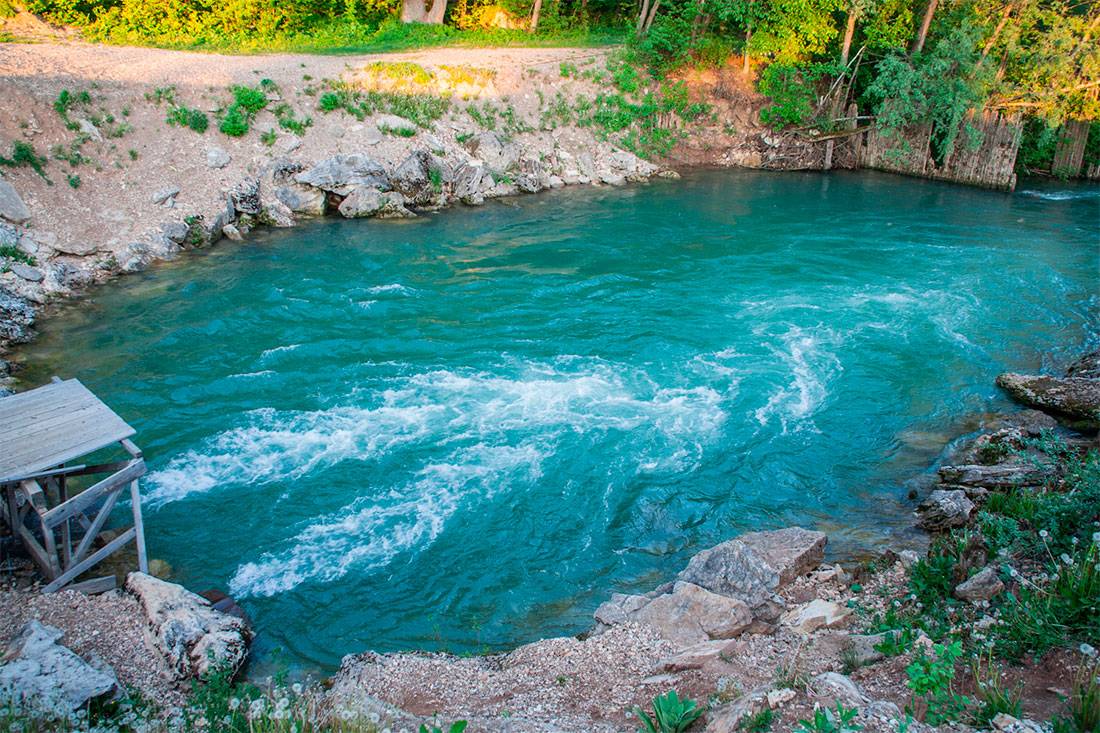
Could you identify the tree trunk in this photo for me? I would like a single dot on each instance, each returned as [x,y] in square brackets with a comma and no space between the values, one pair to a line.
[535,16]
[438,10]
[651,16]
[413,11]
[641,18]
[929,12]
[748,37]
[849,33]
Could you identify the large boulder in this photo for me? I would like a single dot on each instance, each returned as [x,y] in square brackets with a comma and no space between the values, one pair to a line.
[421,179]
[194,638]
[754,566]
[341,174]
[1074,400]
[38,671]
[471,182]
[12,207]
[245,197]
[365,202]
[302,199]
[996,478]
[498,154]
[687,615]
[945,509]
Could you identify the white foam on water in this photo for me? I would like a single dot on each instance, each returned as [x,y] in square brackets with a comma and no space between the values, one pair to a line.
[276,446]
[1061,195]
[391,288]
[371,531]
[244,375]
[279,350]
[811,366]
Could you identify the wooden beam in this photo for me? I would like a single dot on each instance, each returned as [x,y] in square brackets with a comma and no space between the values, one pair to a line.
[109,549]
[93,529]
[82,501]
[139,527]
[94,586]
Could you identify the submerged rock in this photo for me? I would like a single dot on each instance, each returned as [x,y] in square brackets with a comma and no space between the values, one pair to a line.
[1075,401]
[16,318]
[37,669]
[193,637]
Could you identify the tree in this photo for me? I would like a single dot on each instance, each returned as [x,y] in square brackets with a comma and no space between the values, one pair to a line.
[423,11]
[922,36]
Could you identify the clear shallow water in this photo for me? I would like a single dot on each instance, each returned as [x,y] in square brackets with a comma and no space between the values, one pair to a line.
[468,429]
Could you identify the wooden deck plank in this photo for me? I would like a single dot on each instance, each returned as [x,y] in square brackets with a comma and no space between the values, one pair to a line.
[54,424]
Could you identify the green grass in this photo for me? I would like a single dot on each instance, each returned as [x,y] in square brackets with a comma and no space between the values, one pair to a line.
[23,154]
[339,36]
[421,109]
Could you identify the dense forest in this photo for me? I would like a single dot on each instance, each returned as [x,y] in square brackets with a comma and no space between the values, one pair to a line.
[903,61]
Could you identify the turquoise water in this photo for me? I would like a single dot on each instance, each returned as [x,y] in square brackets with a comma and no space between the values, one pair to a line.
[466,430]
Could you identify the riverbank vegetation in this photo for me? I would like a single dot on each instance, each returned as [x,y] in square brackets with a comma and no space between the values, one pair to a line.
[904,62]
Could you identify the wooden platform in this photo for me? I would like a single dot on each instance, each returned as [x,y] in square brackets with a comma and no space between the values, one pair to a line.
[53,425]
[42,432]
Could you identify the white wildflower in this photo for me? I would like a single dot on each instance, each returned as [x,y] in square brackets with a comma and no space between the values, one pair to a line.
[296,688]
[1043,533]
[234,703]
[1066,559]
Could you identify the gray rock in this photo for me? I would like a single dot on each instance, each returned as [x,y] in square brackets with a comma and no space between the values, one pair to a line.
[435,145]
[76,249]
[175,231]
[366,202]
[232,233]
[89,129]
[754,566]
[861,648]
[612,179]
[342,174]
[1075,401]
[996,478]
[163,195]
[16,318]
[217,157]
[620,608]
[38,670]
[835,686]
[1087,366]
[9,236]
[395,124]
[815,615]
[135,258]
[945,509]
[193,637]
[1005,723]
[491,149]
[421,179]
[471,181]
[982,586]
[690,615]
[12,207]
[32,274]
[245,198]
[302,199]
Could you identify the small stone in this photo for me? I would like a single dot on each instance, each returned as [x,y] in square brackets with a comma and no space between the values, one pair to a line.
[835,686]
[89,129]
[217,157]
[31,274]
[944,509]
[815,615]
[163,195]
[232,232]
[778,697]
[982,586]
[395,124]
[76,249]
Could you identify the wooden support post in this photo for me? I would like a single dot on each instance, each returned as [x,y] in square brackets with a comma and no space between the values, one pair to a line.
[139,527]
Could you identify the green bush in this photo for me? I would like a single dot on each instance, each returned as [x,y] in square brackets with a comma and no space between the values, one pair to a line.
[670,714]
[235,121]
[22,154]
[194,119]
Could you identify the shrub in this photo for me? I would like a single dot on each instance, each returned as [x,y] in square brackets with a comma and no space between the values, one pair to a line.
[235,121]
[250,99]
[194,119]
[22,154]
[670,714]
[841,720]
[930,679]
